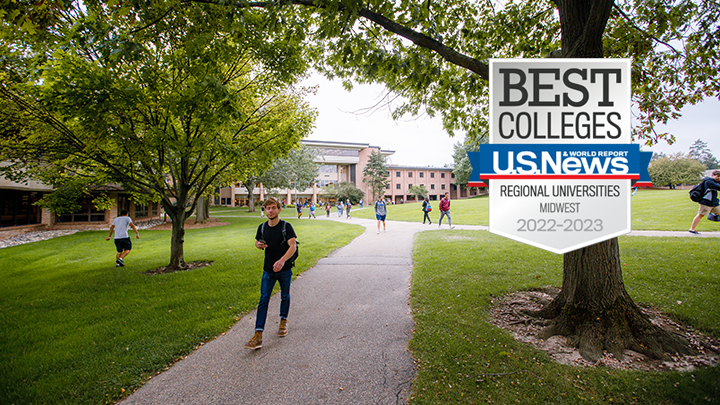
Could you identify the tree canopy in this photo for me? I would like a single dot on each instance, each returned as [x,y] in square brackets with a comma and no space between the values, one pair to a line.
[375,174]
[675,170]
[699,151]
[297,171]
[163,109]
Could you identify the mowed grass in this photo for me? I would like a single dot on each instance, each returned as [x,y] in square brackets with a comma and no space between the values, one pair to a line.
[462,358]
[74,329]
[659,210]
[469,211]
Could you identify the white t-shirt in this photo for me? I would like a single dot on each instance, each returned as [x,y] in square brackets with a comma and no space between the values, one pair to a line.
[121,226]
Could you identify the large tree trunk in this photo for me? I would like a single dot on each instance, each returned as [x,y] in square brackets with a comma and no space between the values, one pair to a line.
[251,201]
[595,312]
[593,308]
[178,215]
[202,210]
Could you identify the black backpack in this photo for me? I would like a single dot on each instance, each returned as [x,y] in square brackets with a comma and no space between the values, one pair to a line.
[697,192]
[284,234]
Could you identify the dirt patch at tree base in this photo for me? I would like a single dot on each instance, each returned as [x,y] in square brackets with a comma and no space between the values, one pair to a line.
[507,313]
[188,266]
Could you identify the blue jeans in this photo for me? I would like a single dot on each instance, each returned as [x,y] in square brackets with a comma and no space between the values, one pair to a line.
[266,288]
[445,214]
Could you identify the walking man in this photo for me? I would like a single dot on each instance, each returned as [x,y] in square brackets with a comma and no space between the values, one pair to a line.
[445,210]
[380,212]
[709,202]
[122,239]
[278,239]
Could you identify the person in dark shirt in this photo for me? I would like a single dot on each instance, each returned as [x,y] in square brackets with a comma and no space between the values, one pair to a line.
[278,239]
[709,203]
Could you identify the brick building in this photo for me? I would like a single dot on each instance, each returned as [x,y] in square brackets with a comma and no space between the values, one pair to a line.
[345,161]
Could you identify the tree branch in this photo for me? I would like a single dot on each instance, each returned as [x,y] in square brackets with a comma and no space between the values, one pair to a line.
[419,39]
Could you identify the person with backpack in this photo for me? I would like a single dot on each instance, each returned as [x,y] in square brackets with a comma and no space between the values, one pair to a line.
[278,239]
[426,210]
[380,212]
[709,201]
[445,210]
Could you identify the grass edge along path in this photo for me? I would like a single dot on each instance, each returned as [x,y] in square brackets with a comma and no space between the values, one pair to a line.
[462,358]
[74,329]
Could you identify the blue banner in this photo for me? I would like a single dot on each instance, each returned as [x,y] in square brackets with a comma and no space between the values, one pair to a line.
[559,161]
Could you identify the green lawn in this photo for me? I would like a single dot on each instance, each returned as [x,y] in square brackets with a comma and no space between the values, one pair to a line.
[662,210]
[462,358]
[74,329]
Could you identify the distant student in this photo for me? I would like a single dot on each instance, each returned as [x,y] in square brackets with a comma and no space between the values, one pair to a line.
[445,210]
[426,208]
[709,202]
[380,212]
[123,244]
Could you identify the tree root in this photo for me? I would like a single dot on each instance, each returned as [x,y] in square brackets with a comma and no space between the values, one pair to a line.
[623,326]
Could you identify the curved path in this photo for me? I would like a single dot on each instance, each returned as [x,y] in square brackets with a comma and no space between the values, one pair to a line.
[349,324]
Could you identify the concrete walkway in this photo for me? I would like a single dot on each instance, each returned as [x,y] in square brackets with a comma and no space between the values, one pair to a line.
[349,325]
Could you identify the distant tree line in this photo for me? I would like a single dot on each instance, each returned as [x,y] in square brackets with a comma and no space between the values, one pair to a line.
[681,168]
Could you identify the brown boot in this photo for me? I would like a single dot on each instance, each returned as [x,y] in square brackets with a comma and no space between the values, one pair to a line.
[283,331]
[256,341]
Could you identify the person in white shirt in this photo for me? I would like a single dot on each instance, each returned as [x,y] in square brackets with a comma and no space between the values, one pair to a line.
[122,239]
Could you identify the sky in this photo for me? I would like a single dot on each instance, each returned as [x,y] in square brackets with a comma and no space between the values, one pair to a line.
[421,141]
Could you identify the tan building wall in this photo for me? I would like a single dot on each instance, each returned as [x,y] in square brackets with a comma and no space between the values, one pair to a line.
[338,162]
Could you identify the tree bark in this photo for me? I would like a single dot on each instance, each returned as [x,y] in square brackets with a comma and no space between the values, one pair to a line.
[202,212]
[593,309]
[178,215]
[251,201]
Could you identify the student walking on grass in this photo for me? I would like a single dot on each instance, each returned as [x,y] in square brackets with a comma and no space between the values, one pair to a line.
[122,239]
[380,212]
[445,210]
[311,213]
[709,202]
[278,239]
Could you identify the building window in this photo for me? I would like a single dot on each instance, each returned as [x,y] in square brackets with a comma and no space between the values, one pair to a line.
[397,186]
[432,175]
[397,174]
[442,186]
[86,213]
[452,175]
[422,174]
[156,208]
[339,152]
[387,186]
[442,175]
[18,208]
[409,174]
[141,211]
[432,187]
